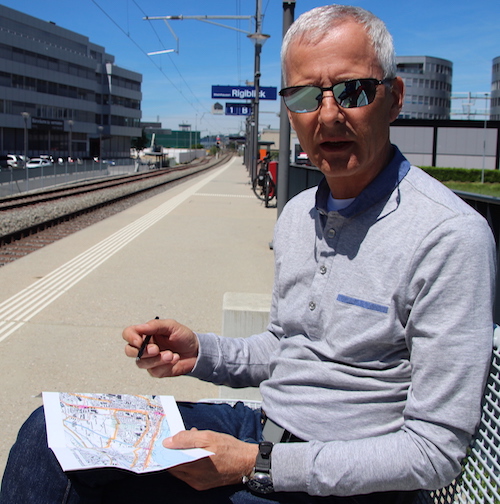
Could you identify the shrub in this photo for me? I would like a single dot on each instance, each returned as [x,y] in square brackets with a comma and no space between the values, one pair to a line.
[462,174]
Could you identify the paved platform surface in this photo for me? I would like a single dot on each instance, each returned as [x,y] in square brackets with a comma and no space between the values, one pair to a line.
[63,308]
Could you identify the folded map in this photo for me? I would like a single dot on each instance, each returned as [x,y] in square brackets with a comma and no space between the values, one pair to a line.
[89,430]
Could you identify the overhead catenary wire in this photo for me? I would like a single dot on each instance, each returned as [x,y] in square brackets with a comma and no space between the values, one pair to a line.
[152,60]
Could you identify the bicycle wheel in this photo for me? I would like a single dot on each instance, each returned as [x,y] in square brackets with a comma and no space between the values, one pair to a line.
[258,189]
[269,189]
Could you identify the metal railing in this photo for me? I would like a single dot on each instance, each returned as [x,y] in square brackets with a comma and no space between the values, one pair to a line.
[19,180]
[480,479]
[489,208]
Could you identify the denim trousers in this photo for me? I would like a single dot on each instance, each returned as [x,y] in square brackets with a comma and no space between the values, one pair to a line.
[33,474]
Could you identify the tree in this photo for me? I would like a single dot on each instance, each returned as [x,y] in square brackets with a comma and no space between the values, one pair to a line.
[141,142]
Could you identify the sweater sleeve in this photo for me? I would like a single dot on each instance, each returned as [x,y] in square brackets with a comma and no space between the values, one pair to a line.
[449,333]
[235,362]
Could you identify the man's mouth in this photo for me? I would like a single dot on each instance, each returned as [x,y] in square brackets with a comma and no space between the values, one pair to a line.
[334,146]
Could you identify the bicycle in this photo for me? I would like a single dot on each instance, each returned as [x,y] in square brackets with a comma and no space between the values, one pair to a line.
[263,184]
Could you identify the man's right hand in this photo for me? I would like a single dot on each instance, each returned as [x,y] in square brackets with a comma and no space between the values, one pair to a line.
[172,350]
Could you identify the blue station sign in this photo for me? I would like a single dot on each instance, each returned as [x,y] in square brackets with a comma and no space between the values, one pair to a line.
[240,109]
[243,93]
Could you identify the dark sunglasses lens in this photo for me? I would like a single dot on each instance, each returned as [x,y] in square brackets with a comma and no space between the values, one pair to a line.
[355,93]
[302,99]
[348,94]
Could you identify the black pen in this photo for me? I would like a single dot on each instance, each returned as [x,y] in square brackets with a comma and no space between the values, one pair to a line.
[145,342]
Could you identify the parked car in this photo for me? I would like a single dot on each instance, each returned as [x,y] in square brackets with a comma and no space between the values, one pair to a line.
[38,163]
[14,161]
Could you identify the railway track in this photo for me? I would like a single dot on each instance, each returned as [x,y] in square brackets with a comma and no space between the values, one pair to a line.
[31,221]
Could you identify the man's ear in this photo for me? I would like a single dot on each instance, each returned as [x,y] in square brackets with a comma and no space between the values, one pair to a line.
[398,96]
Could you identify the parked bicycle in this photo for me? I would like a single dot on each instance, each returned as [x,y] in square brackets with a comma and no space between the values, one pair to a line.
[264,185]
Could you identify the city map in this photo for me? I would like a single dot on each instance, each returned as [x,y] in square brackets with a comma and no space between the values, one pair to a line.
[89,430]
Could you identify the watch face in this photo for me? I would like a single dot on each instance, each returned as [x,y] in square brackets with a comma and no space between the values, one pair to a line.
[261,483]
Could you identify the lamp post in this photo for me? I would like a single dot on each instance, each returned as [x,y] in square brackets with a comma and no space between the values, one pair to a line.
[70,149]
[25,117]
[70,145]
[284,154]
[100,128]
[258,38]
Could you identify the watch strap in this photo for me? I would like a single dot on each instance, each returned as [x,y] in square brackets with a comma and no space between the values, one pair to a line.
[263,461]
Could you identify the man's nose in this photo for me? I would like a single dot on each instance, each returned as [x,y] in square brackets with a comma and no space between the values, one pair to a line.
[329,109]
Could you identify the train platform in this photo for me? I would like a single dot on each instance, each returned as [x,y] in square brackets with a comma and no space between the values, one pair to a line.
[175,255]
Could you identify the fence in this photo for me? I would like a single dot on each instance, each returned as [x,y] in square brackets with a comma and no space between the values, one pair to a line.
[20,180]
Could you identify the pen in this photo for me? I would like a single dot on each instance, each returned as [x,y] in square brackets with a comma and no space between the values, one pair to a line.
[145,342]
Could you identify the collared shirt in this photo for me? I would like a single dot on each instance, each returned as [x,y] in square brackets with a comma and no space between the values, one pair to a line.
[379,339]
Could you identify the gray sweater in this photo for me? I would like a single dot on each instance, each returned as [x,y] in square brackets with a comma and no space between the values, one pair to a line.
[379,339]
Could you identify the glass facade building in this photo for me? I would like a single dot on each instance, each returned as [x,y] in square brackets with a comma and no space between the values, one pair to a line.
[428,86]
[62,95]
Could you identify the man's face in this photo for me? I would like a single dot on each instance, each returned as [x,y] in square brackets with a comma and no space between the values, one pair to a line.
[350,146]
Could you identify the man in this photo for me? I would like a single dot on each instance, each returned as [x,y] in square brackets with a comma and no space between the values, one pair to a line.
[380,335]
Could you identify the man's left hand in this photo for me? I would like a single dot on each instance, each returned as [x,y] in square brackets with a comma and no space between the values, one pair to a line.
[231,460]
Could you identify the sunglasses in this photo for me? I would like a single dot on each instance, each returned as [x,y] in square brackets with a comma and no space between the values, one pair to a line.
[348,94]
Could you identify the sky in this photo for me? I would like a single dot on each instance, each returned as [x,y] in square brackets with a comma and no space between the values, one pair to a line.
[177,86]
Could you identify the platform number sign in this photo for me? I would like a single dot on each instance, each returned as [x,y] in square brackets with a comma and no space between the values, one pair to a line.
[239,109]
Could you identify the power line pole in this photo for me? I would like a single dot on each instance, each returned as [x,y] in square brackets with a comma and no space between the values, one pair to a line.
[284,154]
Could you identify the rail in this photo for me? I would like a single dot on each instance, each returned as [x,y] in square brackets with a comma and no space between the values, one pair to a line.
[110,190]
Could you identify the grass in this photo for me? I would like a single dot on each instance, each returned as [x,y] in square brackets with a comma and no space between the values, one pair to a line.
[487,189]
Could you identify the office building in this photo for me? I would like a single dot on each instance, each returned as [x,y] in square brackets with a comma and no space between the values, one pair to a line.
[495,90]
[61,94]
[428,86]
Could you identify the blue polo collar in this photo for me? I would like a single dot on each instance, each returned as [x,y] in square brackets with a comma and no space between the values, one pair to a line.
[383,184]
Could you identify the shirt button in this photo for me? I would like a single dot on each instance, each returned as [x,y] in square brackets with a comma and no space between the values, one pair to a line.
[322,270]
[331,233]
[312,305]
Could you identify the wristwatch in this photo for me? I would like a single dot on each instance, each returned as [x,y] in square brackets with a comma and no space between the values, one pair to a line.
[260,480]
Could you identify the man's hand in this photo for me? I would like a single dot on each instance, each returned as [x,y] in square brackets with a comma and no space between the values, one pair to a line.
[231,460]
[172,350]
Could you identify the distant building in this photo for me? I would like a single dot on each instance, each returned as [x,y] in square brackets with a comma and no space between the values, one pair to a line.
[495,90]
[428,86]
[66,91]
[167,138]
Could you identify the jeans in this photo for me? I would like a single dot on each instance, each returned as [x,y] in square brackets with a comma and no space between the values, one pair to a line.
[33,474]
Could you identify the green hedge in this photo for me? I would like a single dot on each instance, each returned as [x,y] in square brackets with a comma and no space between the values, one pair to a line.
[462,174]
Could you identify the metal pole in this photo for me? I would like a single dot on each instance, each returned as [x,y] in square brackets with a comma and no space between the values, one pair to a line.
[25,117]
[284,154]
[100,128]
[70,146]
[258,48]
